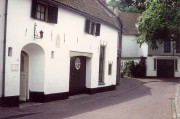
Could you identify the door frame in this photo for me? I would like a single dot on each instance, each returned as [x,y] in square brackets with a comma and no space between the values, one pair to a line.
[26,68]
[71,78]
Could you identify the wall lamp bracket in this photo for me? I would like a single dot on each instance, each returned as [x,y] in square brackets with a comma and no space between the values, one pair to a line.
[36,36]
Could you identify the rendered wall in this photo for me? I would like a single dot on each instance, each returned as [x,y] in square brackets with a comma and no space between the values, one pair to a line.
[150,67]
[62,38]
[130,48]
[160,50]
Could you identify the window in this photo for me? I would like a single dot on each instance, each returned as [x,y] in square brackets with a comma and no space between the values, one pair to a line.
[155,64]
[177,46]
[44,12]
[10,51]
[167,46]
[92,27]
[110,69]
[101,65]
[41,12]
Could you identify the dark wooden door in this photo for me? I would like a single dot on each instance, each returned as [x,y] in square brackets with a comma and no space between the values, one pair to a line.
[77,75]
[165,68]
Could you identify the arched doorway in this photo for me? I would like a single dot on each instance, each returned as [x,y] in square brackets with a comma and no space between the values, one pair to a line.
[24,87]
[32,72]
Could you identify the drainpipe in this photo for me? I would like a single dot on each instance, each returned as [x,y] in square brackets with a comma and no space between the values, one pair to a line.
[4,50]
[119,58]
[119,48]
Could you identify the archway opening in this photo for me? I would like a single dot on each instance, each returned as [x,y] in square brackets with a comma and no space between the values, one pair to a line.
[32,72]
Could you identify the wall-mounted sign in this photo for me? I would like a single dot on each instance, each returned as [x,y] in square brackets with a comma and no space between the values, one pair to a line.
[58,41]
[14,67]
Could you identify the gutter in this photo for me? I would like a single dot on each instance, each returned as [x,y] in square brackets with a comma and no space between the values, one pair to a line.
[4,50]
[118,76]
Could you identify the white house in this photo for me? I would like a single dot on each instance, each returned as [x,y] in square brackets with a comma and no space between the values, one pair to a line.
[56,48]
[164,61]
[131,51]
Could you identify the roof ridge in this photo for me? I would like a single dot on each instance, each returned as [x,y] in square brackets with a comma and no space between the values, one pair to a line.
[109,13]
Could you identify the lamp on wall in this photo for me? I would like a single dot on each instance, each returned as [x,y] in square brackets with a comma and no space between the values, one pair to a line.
[36,36]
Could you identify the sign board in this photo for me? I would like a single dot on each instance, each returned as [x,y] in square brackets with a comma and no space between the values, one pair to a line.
[14,67]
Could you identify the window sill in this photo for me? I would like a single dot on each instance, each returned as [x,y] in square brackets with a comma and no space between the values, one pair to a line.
[101,83]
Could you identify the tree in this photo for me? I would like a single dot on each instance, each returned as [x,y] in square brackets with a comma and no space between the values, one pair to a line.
[136,6]
[160,22]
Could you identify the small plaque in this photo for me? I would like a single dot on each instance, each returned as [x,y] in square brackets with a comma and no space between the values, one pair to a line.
[58,41]
[14,67]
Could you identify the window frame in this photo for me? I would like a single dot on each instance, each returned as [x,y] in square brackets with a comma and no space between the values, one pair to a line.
[167,46]
[41,12]
[109,69]
[101,64]
[50,11]
[155,64]
[92,27]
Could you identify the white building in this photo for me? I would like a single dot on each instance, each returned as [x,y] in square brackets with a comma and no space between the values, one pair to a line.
[56,48]
[131,51]
[164,61]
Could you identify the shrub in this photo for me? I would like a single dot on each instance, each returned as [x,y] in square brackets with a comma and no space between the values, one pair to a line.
[133,69]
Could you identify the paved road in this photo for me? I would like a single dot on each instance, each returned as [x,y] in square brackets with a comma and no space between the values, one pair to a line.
[149,101]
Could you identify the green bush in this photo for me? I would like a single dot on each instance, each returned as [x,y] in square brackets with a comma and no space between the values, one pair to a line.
[133,69]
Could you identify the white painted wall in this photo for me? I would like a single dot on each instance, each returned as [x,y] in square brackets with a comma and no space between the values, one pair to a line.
[2,13]
[160,50]
[150,67]
[143,50]
[130,48]
[131,51]
[70,28]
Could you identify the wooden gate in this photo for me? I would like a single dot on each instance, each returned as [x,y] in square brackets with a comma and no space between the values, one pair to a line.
[165,68]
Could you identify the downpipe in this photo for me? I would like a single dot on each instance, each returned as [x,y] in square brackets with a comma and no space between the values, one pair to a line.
[4,50]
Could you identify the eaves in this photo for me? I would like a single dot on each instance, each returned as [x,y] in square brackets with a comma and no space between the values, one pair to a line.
[68,8]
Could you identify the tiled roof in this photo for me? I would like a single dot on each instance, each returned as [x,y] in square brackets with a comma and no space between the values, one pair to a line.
[89,7]
[129,20]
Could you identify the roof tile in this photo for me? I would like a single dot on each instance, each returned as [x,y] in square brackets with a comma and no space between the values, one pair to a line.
[129,20]
[90,7]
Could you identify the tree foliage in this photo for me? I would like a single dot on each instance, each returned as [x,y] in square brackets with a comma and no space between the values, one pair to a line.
[160,22]
[136,6]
